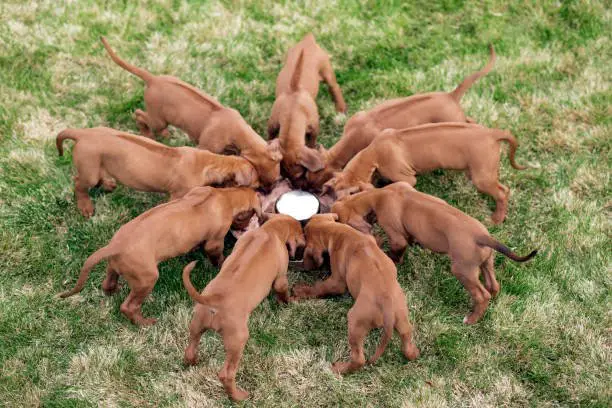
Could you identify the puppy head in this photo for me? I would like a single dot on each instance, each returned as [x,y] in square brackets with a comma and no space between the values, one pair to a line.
[316,179]
[267,163]
[347,215]
[342,184]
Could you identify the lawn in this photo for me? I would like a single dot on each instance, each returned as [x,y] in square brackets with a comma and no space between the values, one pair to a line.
[545,340]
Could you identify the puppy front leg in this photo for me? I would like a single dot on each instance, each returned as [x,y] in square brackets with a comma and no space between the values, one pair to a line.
[330,286]
[214,249]
[398,245]
[281,288]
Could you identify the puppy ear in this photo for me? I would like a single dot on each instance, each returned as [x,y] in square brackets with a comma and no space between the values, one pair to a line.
[311,159]
[359,224]
[329,186]
[247,177]
[274,149]
[365,186]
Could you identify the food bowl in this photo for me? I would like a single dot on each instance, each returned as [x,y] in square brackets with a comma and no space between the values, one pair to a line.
[298,204]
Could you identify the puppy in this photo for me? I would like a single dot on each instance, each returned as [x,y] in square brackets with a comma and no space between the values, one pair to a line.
[295,117]
[204,215]
[103,155]
[399,113]
[243,282]
[408,216]
[399,155]
[170,101]
[371,278]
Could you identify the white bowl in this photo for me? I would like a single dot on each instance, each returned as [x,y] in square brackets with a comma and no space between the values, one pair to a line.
[298,204]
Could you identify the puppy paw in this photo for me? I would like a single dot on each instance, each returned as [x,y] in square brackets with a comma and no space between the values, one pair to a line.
[86,208]
[145,322]
[239,395]
[339,368]
[411,352]
[302,291]
[471,319]
[190,360]
[109,184]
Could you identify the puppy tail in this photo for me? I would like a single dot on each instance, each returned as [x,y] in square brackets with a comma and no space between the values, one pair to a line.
[92,261]
[504,250]
[469,81]
[139,72]
[191,290]
[507,137]
[63,135]
[297,74]
[388,323]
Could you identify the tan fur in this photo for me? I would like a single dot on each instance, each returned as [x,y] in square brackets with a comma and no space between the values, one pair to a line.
[243,282]
[202,216]
[295,117]
[399,155]
[104,155]
[170,101]
[408,216]
[399,113]
[357,264]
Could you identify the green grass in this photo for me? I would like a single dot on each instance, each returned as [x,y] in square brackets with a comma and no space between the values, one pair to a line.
[545,341]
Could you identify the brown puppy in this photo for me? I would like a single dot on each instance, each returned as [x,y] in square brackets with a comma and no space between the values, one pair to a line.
[170,101]
[408,216]
[399,113]
[103,155]
[205,214]
[371,278]
[295,117]
[243,282]
[399,155]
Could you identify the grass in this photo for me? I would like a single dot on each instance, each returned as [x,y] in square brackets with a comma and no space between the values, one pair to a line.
[544,342]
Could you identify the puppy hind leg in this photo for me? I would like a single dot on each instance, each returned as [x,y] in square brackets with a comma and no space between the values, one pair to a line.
[234,341]
[468,276]
[488,272]
[141,286]
[328,75]
[405,329]
[82,184]
[109,285]
[491,187]
[108,182]
[359,318]
[197,328]
[150,125]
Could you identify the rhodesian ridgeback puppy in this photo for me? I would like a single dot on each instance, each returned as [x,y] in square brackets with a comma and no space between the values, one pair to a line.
[295,117]
[408,216]
[204,215]
[400,155]
[243,282]
[357,264]
[103,155]
[400,113]
[170,101]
